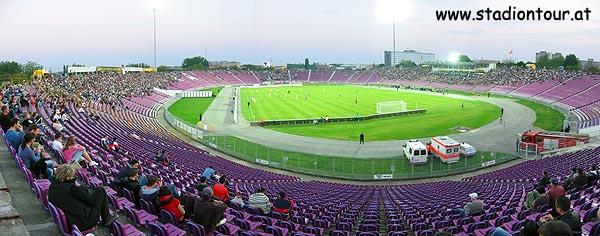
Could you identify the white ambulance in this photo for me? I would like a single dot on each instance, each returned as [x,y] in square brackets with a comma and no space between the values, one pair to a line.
[447,149]
[415,151]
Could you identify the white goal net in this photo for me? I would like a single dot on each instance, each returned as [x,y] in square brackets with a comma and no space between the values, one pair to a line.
[391,106]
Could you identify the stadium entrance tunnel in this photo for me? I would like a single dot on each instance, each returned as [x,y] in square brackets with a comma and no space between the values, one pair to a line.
[336,119]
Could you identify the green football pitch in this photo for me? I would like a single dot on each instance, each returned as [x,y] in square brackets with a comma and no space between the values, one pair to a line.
[313,101]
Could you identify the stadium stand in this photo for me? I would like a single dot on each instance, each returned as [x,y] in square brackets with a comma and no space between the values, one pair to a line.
[322,208]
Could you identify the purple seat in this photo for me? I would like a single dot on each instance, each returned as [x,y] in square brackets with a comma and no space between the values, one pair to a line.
[194,229]
[276,231]
[418,226]
[156,229]
[591,229]
[141,217]
[441,224]
[76,231]
[169,217]
[395,228]
[291,227]
[228,229]
[472,227]
[367,234]
[339,233]
[130,196]
[118,229]
[452,230]
[40,193]
[313,230]
[425,233]
[344,226]
[321,224]
[263,219]
[118,203]
[61,220]
[246,225]
[147,206]
[368,228]
[398,233]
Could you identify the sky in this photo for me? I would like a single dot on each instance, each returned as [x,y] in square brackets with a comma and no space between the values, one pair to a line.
[111,32]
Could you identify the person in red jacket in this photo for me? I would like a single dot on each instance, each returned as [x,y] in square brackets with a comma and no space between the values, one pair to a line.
[220,190]
[282,204]
[167,201]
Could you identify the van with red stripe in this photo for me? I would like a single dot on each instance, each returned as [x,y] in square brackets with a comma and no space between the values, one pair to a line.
[447,149]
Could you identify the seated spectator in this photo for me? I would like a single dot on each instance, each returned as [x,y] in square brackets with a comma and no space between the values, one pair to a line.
[150,191]
[581,180]
[220,191]
[239,200]
[203,184]
[132,164]
[593,173]
[57,117]
[531,196]
[32,129]
[27,121]
[282,204]
[165,160]
[209,212]
[543,199]
[5,118]
[104,142]
[260,200]
[57,144]
[157,157]
[545,180]
[13,133]
[563,207]
[114,145]
[209,173]
[131,183]
[80,207]
[65,117]
[59,127]
[554,192]
[167,201]
[555,228]
[73,153]
[570,179]
[32,161]
[473,206]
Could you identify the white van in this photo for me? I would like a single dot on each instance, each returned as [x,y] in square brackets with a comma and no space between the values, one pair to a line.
[415,151]
[467,150]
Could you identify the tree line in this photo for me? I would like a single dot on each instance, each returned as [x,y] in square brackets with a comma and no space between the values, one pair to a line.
[13,67]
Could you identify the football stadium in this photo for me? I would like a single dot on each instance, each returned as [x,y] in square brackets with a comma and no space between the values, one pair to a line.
[120,125]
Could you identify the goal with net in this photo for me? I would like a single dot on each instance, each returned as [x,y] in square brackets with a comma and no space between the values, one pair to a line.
[391,106]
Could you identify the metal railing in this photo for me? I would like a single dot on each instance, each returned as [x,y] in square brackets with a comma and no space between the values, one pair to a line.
[349,167]
[191,130]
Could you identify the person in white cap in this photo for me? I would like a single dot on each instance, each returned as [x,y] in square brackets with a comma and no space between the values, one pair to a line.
[473,206]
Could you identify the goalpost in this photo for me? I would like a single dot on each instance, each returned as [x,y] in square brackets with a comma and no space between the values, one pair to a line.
[391,106]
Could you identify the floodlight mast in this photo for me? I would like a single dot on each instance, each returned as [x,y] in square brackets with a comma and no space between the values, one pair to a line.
[154,12]
[394,43]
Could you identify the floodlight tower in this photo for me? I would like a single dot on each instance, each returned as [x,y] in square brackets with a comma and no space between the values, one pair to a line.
[154,12]
[394,44]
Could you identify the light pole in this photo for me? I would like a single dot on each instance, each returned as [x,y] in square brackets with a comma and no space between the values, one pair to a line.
[154,11]
[394,45]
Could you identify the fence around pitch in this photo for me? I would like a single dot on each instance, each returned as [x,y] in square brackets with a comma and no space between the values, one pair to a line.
[349,167]
[192,131]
